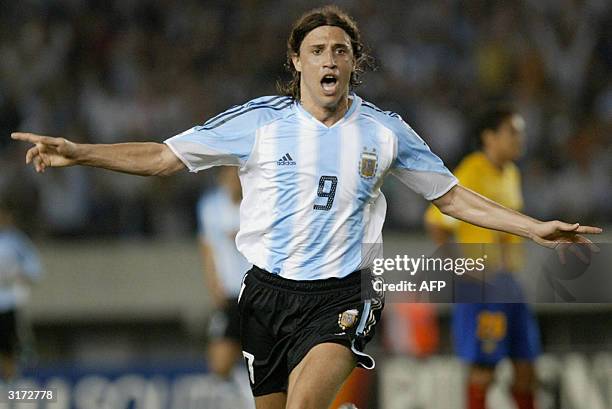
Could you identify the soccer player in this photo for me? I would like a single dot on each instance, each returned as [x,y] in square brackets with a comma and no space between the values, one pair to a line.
[19,267]
[486,333]
[311,166]
[218,213]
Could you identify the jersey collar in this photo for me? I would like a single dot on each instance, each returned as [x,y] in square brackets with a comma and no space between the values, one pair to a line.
[356,103]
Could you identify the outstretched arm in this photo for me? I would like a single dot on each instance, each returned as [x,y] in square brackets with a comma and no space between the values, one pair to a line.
[469,206]
[138,158]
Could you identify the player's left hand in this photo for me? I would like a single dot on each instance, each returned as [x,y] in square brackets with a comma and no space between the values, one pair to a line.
[564,237]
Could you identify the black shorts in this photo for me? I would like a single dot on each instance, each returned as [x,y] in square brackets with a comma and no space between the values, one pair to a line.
[225,322]
[281,320]
[9,340]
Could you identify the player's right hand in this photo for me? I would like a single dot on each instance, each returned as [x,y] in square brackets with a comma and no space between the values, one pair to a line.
[47,151]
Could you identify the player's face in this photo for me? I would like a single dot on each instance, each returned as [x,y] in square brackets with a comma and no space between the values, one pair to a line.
[325,63]
[510,137]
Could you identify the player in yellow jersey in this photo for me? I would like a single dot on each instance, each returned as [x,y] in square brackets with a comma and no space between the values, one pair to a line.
[485,333]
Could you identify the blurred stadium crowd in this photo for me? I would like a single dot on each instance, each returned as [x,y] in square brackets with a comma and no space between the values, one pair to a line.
[112,71]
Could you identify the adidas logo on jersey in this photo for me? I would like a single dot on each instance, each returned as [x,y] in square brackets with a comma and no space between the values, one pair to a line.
[286,160]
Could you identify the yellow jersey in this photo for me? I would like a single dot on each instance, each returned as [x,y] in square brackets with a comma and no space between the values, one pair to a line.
[476,172]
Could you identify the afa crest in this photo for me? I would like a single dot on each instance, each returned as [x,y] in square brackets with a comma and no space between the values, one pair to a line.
[347,319]
[368,163]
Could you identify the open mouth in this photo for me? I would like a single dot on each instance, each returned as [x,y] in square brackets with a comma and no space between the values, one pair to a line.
[329,83]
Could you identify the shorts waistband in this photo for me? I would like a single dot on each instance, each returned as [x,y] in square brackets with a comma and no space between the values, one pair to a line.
[325,284]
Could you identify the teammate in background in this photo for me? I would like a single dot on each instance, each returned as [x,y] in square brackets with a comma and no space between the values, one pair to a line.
[19,268]
[486,333]
[218,214]
[311,166]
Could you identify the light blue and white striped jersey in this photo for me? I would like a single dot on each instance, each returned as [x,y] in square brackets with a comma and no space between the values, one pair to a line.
[311,193]
[19,264]
[218,223]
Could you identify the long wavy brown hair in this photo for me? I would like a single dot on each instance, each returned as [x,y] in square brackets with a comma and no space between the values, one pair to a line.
[324,16]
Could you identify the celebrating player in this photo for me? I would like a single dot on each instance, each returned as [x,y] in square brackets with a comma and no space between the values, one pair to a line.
[311,166]
[485,333]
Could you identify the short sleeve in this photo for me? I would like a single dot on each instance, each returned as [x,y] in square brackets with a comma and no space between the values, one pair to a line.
[228,138]
[417,166]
